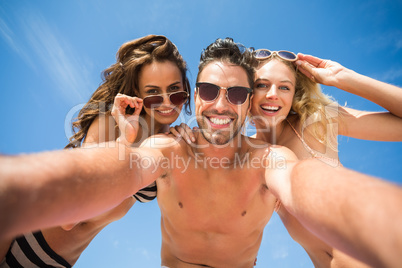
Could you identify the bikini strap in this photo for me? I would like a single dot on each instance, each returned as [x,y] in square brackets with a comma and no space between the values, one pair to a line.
[311,151]
[325,159]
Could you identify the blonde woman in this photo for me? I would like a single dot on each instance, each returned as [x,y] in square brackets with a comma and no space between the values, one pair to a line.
[289,109]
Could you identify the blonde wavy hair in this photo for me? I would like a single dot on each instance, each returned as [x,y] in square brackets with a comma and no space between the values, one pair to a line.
[122,77]
[312,106]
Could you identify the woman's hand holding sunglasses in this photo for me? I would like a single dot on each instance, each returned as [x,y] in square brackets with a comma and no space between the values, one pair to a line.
[325,72]
[127,123]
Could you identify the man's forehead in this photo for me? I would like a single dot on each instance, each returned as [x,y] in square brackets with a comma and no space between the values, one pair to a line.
[224,74]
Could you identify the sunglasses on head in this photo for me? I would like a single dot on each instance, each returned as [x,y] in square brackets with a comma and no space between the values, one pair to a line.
[235,95]
[176,98]
[263,54]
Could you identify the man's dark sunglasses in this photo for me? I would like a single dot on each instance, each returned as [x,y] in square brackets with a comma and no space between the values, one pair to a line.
[235,95]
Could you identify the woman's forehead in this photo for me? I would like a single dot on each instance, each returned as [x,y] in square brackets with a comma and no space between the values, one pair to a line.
[275,67]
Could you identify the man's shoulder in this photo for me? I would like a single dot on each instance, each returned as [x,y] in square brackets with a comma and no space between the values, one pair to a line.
[282,151]
[163,142]
[265,149]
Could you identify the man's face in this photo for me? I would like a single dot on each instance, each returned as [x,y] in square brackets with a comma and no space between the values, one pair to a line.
[219,120]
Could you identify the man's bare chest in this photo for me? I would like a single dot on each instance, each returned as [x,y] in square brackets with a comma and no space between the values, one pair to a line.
[214,200]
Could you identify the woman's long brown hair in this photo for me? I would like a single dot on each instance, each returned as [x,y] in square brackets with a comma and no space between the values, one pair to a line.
[122,77]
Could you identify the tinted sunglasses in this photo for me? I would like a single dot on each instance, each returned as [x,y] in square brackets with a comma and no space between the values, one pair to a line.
[262,54]
[235,95]
[176,98]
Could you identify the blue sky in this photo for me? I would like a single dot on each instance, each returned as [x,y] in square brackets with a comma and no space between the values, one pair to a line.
[52,54]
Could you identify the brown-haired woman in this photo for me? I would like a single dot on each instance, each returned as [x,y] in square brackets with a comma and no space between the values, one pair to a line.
[148,86]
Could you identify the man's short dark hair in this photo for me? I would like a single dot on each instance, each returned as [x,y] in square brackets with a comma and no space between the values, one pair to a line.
[226,50]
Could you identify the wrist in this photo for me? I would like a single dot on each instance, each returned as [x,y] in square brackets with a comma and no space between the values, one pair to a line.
[346,79]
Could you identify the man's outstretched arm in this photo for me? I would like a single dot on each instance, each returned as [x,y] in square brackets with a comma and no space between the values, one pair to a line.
[353,212]
[54,188]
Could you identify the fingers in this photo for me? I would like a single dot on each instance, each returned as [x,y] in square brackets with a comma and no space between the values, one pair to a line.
[121,102]
[307,69]
[137,102]
[183,131]
[314,61]
[138,106]
[187,133]
[174,132]
[119,105]
[128,124]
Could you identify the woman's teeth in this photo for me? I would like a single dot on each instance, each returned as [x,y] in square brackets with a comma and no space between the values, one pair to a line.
[270,108]
[219,121]
[165,111]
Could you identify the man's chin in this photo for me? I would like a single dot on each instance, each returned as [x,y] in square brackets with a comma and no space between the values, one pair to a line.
[218,137]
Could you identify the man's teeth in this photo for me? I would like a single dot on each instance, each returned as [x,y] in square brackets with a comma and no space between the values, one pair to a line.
[220,121]
[271,108]
[165,111]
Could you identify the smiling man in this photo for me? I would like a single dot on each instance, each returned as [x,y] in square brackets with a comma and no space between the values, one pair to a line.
[215,209]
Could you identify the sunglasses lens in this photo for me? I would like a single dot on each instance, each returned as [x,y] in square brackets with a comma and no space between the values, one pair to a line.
[152,102]
[178,98]
[262,54]
[287,55]
[237,95]
[208,92]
